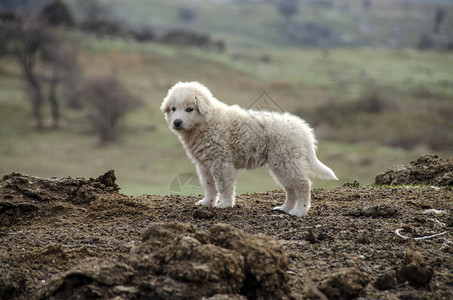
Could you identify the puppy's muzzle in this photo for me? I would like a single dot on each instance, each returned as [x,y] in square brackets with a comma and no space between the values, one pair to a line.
[177,124]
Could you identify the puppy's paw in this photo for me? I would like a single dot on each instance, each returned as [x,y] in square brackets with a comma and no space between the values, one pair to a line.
[206,202]
[283,208]
[299,212]
[224,204]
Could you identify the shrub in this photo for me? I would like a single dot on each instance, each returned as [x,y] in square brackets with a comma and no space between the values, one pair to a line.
[110,101]
[57,13]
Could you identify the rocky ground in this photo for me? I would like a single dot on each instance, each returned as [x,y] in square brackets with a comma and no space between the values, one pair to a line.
[78,239]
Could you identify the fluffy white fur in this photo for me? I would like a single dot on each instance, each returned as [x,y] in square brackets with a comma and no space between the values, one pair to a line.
[221,139]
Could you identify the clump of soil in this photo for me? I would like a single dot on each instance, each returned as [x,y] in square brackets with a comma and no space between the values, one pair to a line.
[375,211]
[427,169]
[38,193]
[176,261]
[345,284]
[57,240]
[414,271]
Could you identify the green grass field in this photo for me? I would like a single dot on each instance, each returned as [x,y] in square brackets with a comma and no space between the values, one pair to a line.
[148,157]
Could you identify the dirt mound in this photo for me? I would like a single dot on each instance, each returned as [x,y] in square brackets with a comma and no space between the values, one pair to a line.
[93,278]
[376,242]
[176,261]
[427,169]
[75,190]
[21,195]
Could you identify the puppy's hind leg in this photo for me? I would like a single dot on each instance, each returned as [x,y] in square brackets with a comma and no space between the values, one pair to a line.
[224,176]
[303,197]
[290,201]
[291,198]
[208,184]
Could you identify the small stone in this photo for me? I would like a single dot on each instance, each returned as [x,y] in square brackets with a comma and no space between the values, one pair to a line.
[447,247]
[120,289]
[412,257]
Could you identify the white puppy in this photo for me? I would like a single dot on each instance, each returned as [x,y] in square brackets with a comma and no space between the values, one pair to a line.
[221,139]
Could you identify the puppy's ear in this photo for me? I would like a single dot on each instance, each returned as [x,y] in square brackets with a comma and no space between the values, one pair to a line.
[203,104]
[165,107]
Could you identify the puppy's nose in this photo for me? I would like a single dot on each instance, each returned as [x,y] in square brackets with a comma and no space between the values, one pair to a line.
[177,123]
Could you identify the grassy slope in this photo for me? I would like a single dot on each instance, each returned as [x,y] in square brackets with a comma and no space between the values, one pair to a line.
[146,161]
[259,25]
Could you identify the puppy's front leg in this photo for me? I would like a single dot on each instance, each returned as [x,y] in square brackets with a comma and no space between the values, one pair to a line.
[224,176]
[208,184]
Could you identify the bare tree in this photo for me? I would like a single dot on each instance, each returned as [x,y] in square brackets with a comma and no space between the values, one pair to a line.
[33,44]
[109,100]
[288,8]
[62,67]
[26,40]
[439,17]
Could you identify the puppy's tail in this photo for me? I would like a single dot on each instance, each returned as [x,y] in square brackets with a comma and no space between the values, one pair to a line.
[319,169]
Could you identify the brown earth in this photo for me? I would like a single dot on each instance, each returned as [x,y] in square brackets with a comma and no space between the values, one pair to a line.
[427,169]
[78,239]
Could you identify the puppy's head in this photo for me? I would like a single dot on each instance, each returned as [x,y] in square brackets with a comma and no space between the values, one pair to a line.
[187,105]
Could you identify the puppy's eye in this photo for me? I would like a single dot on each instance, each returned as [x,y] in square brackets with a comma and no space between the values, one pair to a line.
[173,108]
[189,109]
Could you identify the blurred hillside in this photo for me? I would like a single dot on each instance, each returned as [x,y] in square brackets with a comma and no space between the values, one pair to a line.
[314,23]
[425,24]
[372,107]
